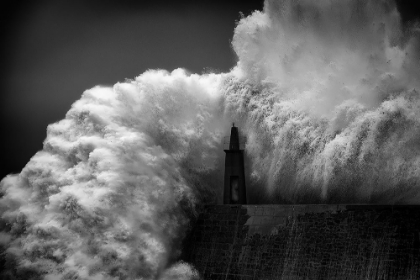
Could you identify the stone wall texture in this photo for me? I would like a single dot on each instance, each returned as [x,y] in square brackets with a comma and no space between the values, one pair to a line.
[306,242]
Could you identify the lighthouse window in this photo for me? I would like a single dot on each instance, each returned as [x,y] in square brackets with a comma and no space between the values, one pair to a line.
[234,186]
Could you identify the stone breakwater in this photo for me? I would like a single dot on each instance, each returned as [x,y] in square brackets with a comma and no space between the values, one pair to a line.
[306,242]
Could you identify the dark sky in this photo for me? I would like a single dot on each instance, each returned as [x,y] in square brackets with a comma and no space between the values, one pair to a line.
[53,50]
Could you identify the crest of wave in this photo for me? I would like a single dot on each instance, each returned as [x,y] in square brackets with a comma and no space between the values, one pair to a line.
[110,194]
[329,94]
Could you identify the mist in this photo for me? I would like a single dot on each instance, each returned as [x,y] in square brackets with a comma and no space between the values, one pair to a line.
[328,95]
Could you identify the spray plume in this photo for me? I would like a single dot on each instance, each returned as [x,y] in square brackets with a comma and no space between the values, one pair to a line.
[110,194]
[326,93]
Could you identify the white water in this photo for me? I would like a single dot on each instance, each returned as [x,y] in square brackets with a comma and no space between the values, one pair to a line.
[327,94]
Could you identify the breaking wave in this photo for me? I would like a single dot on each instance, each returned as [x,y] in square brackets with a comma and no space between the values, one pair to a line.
[327,94]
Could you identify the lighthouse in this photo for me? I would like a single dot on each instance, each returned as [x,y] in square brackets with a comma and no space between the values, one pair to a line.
[234,189]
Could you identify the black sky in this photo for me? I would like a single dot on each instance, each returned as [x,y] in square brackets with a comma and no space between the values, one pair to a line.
[53,50]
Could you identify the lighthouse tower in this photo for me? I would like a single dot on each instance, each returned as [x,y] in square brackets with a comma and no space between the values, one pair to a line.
[235,190]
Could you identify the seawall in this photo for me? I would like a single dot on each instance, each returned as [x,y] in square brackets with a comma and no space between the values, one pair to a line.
[306,242]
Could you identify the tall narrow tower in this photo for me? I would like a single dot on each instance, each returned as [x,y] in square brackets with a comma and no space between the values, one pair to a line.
[235,190]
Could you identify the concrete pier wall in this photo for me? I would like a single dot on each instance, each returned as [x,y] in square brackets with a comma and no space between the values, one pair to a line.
[306,242]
